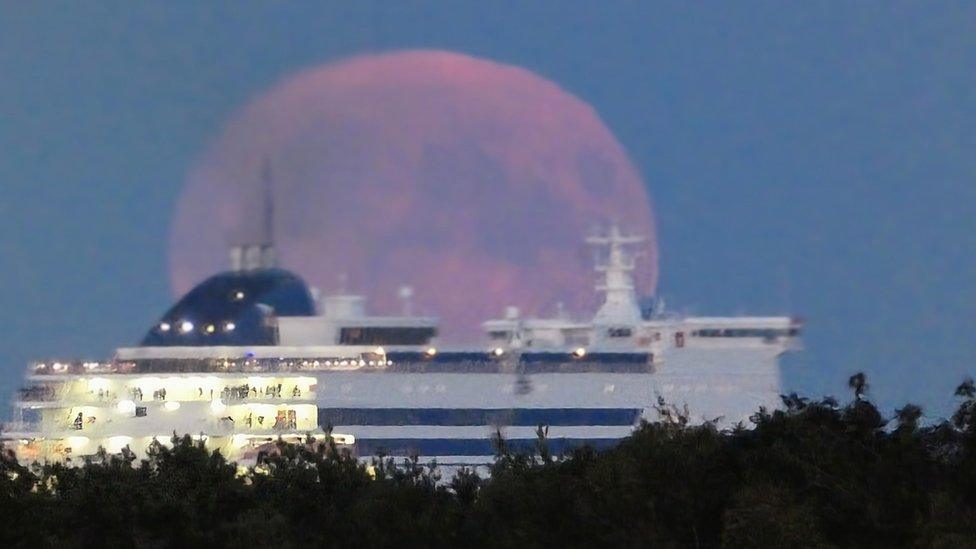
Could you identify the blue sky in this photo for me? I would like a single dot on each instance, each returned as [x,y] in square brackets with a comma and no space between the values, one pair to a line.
[816,158]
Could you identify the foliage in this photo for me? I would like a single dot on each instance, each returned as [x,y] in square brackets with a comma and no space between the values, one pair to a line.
[810,474]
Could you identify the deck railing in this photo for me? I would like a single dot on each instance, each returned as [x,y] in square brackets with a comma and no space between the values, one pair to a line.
[367,360]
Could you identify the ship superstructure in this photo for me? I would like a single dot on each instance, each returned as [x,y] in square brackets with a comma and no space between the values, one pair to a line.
[251,355]
[620,324]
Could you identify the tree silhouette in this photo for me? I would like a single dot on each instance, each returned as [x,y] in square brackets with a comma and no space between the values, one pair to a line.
[859,383]
[812,473]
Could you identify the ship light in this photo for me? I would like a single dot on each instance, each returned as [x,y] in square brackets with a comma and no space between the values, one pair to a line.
[431,351]
[498,351]
[238,295]
[164,327]
[210,328]
[186,326]
[229,326]
[217,406]
[172,406]
[126,406]
[580,352]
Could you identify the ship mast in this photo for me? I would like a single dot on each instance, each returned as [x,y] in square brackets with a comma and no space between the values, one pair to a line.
[620,305]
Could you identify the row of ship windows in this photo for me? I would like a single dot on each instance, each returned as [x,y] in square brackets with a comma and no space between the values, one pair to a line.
[386,336]
[284,418]
[765,333]
[45,393]
[405,447]
[248,364]
[469,417]
[347,336]
[503,335]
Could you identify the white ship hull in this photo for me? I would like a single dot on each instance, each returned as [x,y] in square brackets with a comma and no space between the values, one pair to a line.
[453,416]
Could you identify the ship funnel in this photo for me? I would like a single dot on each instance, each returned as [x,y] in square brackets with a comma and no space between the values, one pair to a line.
[259,253]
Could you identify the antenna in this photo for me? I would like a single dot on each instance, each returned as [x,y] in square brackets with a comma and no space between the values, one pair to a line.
[268,215]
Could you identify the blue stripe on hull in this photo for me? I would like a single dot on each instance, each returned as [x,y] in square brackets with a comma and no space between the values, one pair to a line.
[465,417]
[529,362]
[399,447]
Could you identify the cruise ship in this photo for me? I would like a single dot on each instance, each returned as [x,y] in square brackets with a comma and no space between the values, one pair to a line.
[251,356]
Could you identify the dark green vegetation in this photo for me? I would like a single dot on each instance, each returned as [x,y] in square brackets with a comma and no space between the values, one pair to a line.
[814,474]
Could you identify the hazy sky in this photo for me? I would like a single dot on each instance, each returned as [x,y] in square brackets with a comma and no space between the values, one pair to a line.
[817,159]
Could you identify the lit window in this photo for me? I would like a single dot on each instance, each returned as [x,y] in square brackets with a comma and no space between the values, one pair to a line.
[164,327]
[619,332]
[229,327]
[186,327]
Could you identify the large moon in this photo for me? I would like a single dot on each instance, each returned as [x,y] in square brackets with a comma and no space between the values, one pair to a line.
[472,181]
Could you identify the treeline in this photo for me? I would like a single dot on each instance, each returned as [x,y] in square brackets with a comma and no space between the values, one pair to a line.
[812,474]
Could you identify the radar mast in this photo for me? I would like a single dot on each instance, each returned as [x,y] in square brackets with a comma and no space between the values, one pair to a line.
[620,305]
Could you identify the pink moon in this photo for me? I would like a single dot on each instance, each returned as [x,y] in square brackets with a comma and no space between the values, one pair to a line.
[472,181]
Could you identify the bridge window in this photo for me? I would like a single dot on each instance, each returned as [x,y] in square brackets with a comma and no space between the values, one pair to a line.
[386,336]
